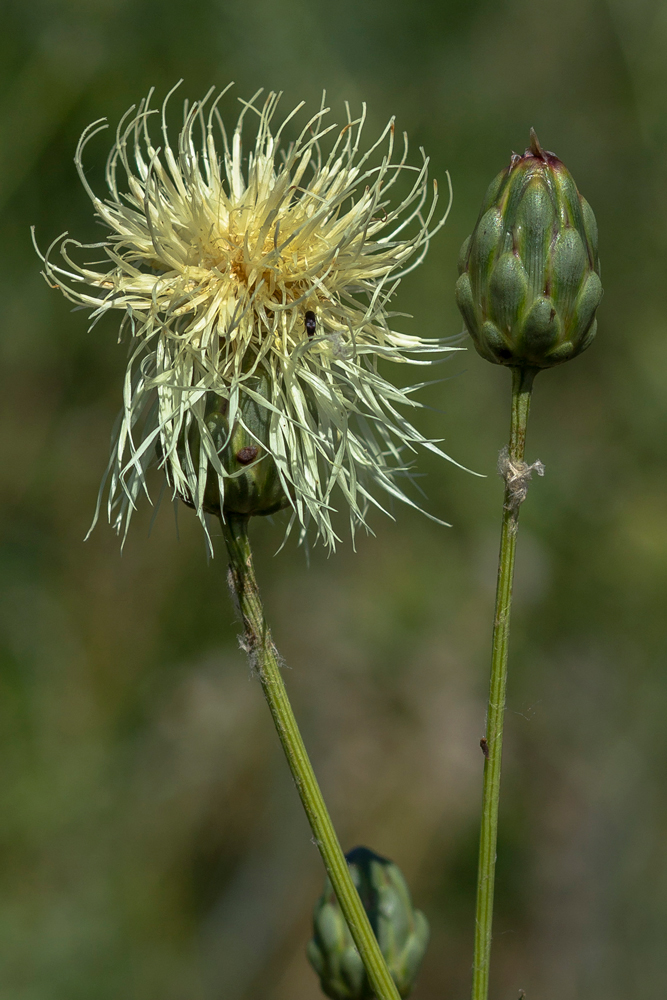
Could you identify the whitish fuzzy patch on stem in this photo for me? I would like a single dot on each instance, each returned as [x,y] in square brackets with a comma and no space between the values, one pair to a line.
[517,476]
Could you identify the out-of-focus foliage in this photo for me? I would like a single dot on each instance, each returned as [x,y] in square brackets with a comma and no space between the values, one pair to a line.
[152,845]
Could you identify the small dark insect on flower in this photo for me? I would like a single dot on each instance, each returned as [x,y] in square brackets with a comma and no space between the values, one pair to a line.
[311,323]
[484,743]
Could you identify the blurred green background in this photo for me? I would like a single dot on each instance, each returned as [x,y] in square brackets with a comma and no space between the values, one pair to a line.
[152,845]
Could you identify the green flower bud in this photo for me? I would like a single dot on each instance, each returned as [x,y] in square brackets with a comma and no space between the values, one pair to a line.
[402,932]
[529,275]
[251,481]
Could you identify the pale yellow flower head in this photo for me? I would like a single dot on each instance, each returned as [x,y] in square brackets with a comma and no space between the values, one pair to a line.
[282,262]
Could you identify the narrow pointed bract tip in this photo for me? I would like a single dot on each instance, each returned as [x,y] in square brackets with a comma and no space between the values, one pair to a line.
[535,147]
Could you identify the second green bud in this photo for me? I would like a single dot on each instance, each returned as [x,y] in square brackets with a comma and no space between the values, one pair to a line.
[529,275]
[402,932]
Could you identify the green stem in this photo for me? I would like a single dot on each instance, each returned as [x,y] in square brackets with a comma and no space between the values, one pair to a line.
[264,658]
[522,383]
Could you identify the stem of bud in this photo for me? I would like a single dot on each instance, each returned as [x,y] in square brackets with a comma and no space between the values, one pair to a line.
[264,659]
[522,384]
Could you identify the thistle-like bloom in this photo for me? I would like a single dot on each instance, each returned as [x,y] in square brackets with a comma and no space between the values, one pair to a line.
[264,283]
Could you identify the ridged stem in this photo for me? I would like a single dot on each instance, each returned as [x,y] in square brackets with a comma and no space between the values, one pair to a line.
[264,659]
[522,383]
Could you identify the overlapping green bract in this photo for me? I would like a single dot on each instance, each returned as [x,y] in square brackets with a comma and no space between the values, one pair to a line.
[529,281]
[402,931]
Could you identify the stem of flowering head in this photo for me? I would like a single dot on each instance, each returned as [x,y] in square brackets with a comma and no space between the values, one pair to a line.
[264,659]
[516,475]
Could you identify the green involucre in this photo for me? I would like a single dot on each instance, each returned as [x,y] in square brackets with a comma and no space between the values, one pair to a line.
[529,275]
[402,932]
[237,455]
